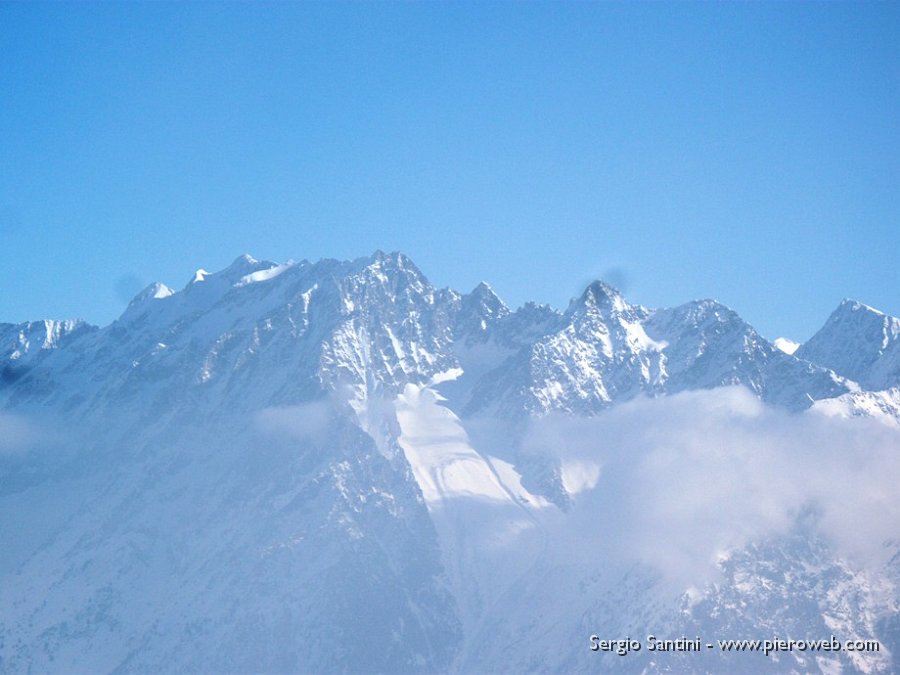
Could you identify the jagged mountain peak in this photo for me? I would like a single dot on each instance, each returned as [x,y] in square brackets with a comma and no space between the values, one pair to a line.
[483,299]
[600,303]
[383,277]
[479,312]
[240,267]
[483,288]
[379,268]
[696,317]
[858,315]
[26,341]
[601,295]
[146,302]
[245,259]
[851,305]
[380,279]
[155,291]
[858,342]
[392,260]
[379,319]
[855,316]
[708,309]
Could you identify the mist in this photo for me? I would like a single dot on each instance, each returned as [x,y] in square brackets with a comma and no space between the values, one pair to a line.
[677,483]
[17,435]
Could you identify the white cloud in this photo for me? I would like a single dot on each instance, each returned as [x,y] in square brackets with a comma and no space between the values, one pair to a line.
[684,478]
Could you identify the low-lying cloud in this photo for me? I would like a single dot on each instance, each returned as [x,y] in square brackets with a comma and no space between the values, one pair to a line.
[676,482]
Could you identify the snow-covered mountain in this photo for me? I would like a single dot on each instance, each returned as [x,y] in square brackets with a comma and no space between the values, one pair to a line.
[859,343]
[335,466]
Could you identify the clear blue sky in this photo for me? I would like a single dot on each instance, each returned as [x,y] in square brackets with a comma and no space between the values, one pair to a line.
[746,152]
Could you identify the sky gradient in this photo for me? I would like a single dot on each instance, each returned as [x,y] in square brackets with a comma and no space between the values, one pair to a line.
[744,152]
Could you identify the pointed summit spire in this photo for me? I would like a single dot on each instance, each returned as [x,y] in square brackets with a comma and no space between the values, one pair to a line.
[145,301]
[858,342]
[484,292]
[599,296]
[483,301]
[155,291]
[602,291]
[244,264]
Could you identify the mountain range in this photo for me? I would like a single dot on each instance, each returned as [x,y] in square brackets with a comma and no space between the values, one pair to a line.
[335,466]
